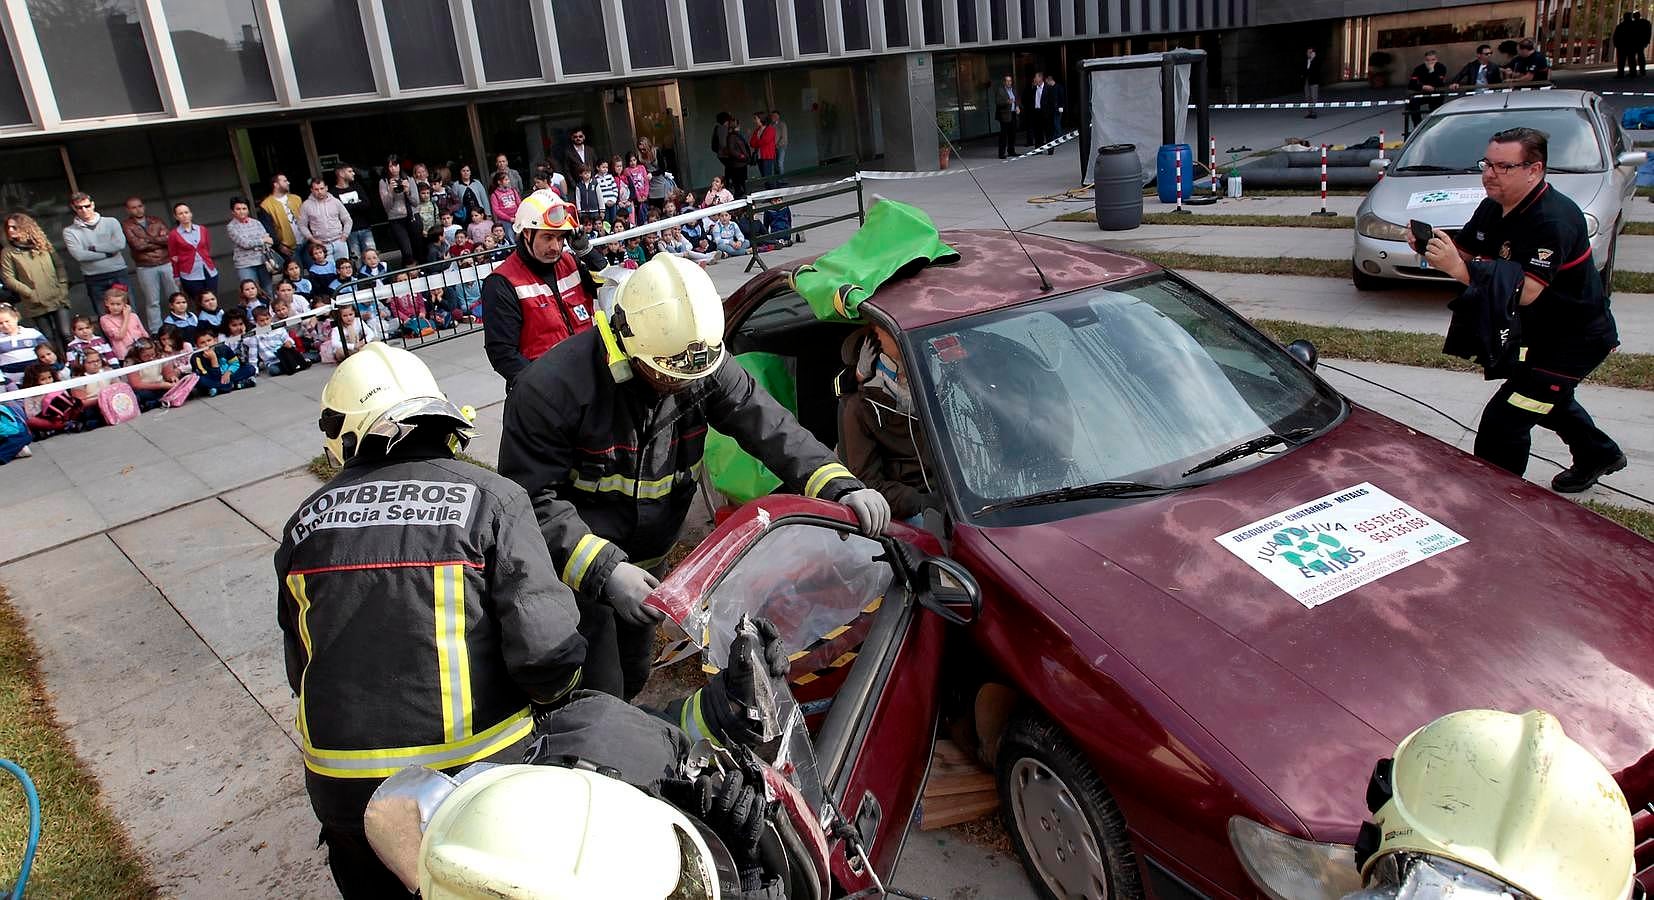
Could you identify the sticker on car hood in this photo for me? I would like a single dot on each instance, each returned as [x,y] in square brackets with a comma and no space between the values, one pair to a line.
[1325,548]
[1419,199]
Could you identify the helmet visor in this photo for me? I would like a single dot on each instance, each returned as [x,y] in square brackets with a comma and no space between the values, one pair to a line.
[694,361]
[399,421]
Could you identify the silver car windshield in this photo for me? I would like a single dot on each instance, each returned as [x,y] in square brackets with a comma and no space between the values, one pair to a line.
[1453,143]
[1133,382]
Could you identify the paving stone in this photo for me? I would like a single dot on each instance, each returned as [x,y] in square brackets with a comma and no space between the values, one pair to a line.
[23,480]
[174,544]
[271,502]
[48,521]
[93,563]
[232,603]
[138,490]
[241,462]
[263,669]
[270,854]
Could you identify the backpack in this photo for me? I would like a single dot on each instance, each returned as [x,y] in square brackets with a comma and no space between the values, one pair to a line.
[118,403]
[178,393]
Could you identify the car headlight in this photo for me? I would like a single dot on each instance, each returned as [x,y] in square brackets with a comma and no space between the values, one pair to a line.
[1370,225]
[1289,868]
[1592,226]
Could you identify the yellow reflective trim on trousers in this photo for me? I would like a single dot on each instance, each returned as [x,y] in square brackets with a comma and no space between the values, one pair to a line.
[585,550]
[1538,407]
[643,490]
[387,762]
[822,476]
[301,595]
[453,658]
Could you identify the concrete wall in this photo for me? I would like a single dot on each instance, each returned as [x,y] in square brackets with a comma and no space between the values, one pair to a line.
[1274,12]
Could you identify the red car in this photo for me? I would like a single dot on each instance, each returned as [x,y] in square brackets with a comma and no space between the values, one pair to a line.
[1217,591]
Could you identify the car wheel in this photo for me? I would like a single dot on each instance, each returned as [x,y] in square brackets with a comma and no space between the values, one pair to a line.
[1363,281]
[1608,267]
[1067,829]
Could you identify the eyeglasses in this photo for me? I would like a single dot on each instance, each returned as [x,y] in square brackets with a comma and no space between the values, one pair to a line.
[1500,168]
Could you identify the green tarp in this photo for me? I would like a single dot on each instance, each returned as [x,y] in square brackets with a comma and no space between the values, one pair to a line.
[896,239]
[735,474]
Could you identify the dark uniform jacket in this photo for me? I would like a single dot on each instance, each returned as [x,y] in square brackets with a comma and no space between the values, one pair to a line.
[1425,75]
[1568,325]
[420,616]
[1487,324]
[612,467]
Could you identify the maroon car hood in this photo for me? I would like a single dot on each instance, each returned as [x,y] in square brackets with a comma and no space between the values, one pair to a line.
[1548,606]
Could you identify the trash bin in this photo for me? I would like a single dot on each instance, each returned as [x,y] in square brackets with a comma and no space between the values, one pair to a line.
[1117,179]
[1165,172]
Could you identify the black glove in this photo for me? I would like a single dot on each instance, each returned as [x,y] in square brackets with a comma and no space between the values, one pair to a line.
[735,810]
[731,692]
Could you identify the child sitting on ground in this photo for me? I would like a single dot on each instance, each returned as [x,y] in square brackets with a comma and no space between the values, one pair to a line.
[635,254]
[372,268]
[87,341]
[17,343]
[319,269]
[278,353]
[121,326]
[152,383]
[46,355]
[409,310]
[251,296]
[463,301]
[294,275]
[349,336]
[218,367]
[50,413]
[179,317]
[207,314]
[90,416]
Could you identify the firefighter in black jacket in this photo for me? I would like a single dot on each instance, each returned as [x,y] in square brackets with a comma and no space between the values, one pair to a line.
[606,432]
[1567,328]
[420,613]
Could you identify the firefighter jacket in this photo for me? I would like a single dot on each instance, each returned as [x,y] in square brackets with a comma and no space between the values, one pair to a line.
[420,617]
[528,306]
[612,467]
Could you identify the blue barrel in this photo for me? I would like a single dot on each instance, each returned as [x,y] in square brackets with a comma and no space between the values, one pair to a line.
[1165,172]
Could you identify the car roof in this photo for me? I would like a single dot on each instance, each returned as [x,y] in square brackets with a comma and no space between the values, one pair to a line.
[1529,99]
[992,273]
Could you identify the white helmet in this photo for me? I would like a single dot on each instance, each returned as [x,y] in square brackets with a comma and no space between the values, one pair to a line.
[543,210]
[382,391]
[552,833]
[669,317]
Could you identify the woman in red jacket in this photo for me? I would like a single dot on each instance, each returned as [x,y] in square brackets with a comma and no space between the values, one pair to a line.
[763,144]
[190,247]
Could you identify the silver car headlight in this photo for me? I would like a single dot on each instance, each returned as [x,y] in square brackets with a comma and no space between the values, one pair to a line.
[1289,868]
[1592,226]
[1370,225]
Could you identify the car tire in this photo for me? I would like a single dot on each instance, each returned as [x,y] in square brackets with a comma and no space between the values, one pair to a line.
[1608,268]
[1365,282]
[1065,826]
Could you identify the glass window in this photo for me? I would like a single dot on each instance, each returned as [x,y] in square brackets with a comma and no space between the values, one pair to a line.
[763,28]
[647,38]
[895,23]
[967,21]
[856,29]
[708,31]
[999,20]
[220,52]
[14,110]
[330,55]
[932,11]
[582,40]
[812,26]
[422,43]
[505,33]
[1137,382]
[1452,144]
[1053,11]
[1081,25]
[96,57]
[1028,22]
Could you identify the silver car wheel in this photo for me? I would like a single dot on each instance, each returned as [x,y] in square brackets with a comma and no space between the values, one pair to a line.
[1054,828]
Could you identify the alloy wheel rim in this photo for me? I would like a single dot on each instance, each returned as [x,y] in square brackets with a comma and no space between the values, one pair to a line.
[1059,838]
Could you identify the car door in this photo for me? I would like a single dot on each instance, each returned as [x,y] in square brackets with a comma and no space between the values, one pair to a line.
[848,608]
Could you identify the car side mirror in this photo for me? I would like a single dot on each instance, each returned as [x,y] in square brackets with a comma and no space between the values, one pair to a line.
[1632,158]
[1378,165]
[1304,352]
[945,588]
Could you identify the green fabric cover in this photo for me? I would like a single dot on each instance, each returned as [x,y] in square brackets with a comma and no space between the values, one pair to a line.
[896,239]
[736,474]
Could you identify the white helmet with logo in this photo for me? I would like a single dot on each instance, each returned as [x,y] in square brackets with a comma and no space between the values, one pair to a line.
[382,392]
[543,210]
[669,318]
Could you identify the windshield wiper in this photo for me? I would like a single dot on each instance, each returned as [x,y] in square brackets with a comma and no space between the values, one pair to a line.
[1247,448]
[1433,168]
[1082,492]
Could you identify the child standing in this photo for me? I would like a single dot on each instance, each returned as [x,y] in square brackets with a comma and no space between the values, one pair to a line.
[218,367]
[479,227]
[503,201]
[121,326]
[179,317]
[608,191]
[88,341]
[637,177]
[588,201]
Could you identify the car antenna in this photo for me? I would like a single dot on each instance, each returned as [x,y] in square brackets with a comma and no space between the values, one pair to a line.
[1044,283]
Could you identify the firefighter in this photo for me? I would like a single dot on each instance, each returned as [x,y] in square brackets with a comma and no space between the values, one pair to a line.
[420,614]
[606,433]
[541,294]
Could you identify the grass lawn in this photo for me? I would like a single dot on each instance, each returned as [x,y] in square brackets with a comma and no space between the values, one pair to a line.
[1407,348]
[1639,520]
[83,850]
[324,470]
[1624,282]
[1090,215]
[1643,228]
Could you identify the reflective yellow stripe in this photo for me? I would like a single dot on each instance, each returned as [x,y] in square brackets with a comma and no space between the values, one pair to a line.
[387,762]
[822,476]
[643,490]
[301,595]
[586,550]
[453,659]
[1538,407]
[693,721]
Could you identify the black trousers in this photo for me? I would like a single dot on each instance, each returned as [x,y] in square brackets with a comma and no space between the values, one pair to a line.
[1543,397]
[1007,138]
[1641,59]
[617,653]
[406,234]
[735,178]
[357,871]
[1418,106]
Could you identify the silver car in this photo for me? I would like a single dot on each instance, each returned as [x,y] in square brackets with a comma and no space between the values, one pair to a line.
[1434,178]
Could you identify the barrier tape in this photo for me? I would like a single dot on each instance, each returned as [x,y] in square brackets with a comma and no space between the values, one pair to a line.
[1368,104]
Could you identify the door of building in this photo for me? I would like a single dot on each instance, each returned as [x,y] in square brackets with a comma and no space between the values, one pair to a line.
[264,151]
[657,114]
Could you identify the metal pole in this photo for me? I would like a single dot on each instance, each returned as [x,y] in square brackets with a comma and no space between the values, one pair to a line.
[1213,172]
[1203,106]
[1381,152]
[1177,163]
[1323,211]
[1168,101]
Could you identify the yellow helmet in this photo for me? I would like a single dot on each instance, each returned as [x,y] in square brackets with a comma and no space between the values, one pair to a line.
[1507,795]
[543,210]
[669,317]
[552,833]
[382,391]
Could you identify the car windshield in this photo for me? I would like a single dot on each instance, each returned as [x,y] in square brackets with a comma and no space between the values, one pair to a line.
[1133,382]
[1454,142]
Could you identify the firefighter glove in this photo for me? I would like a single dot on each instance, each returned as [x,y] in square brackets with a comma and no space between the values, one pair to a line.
[628,586]
[871,509]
